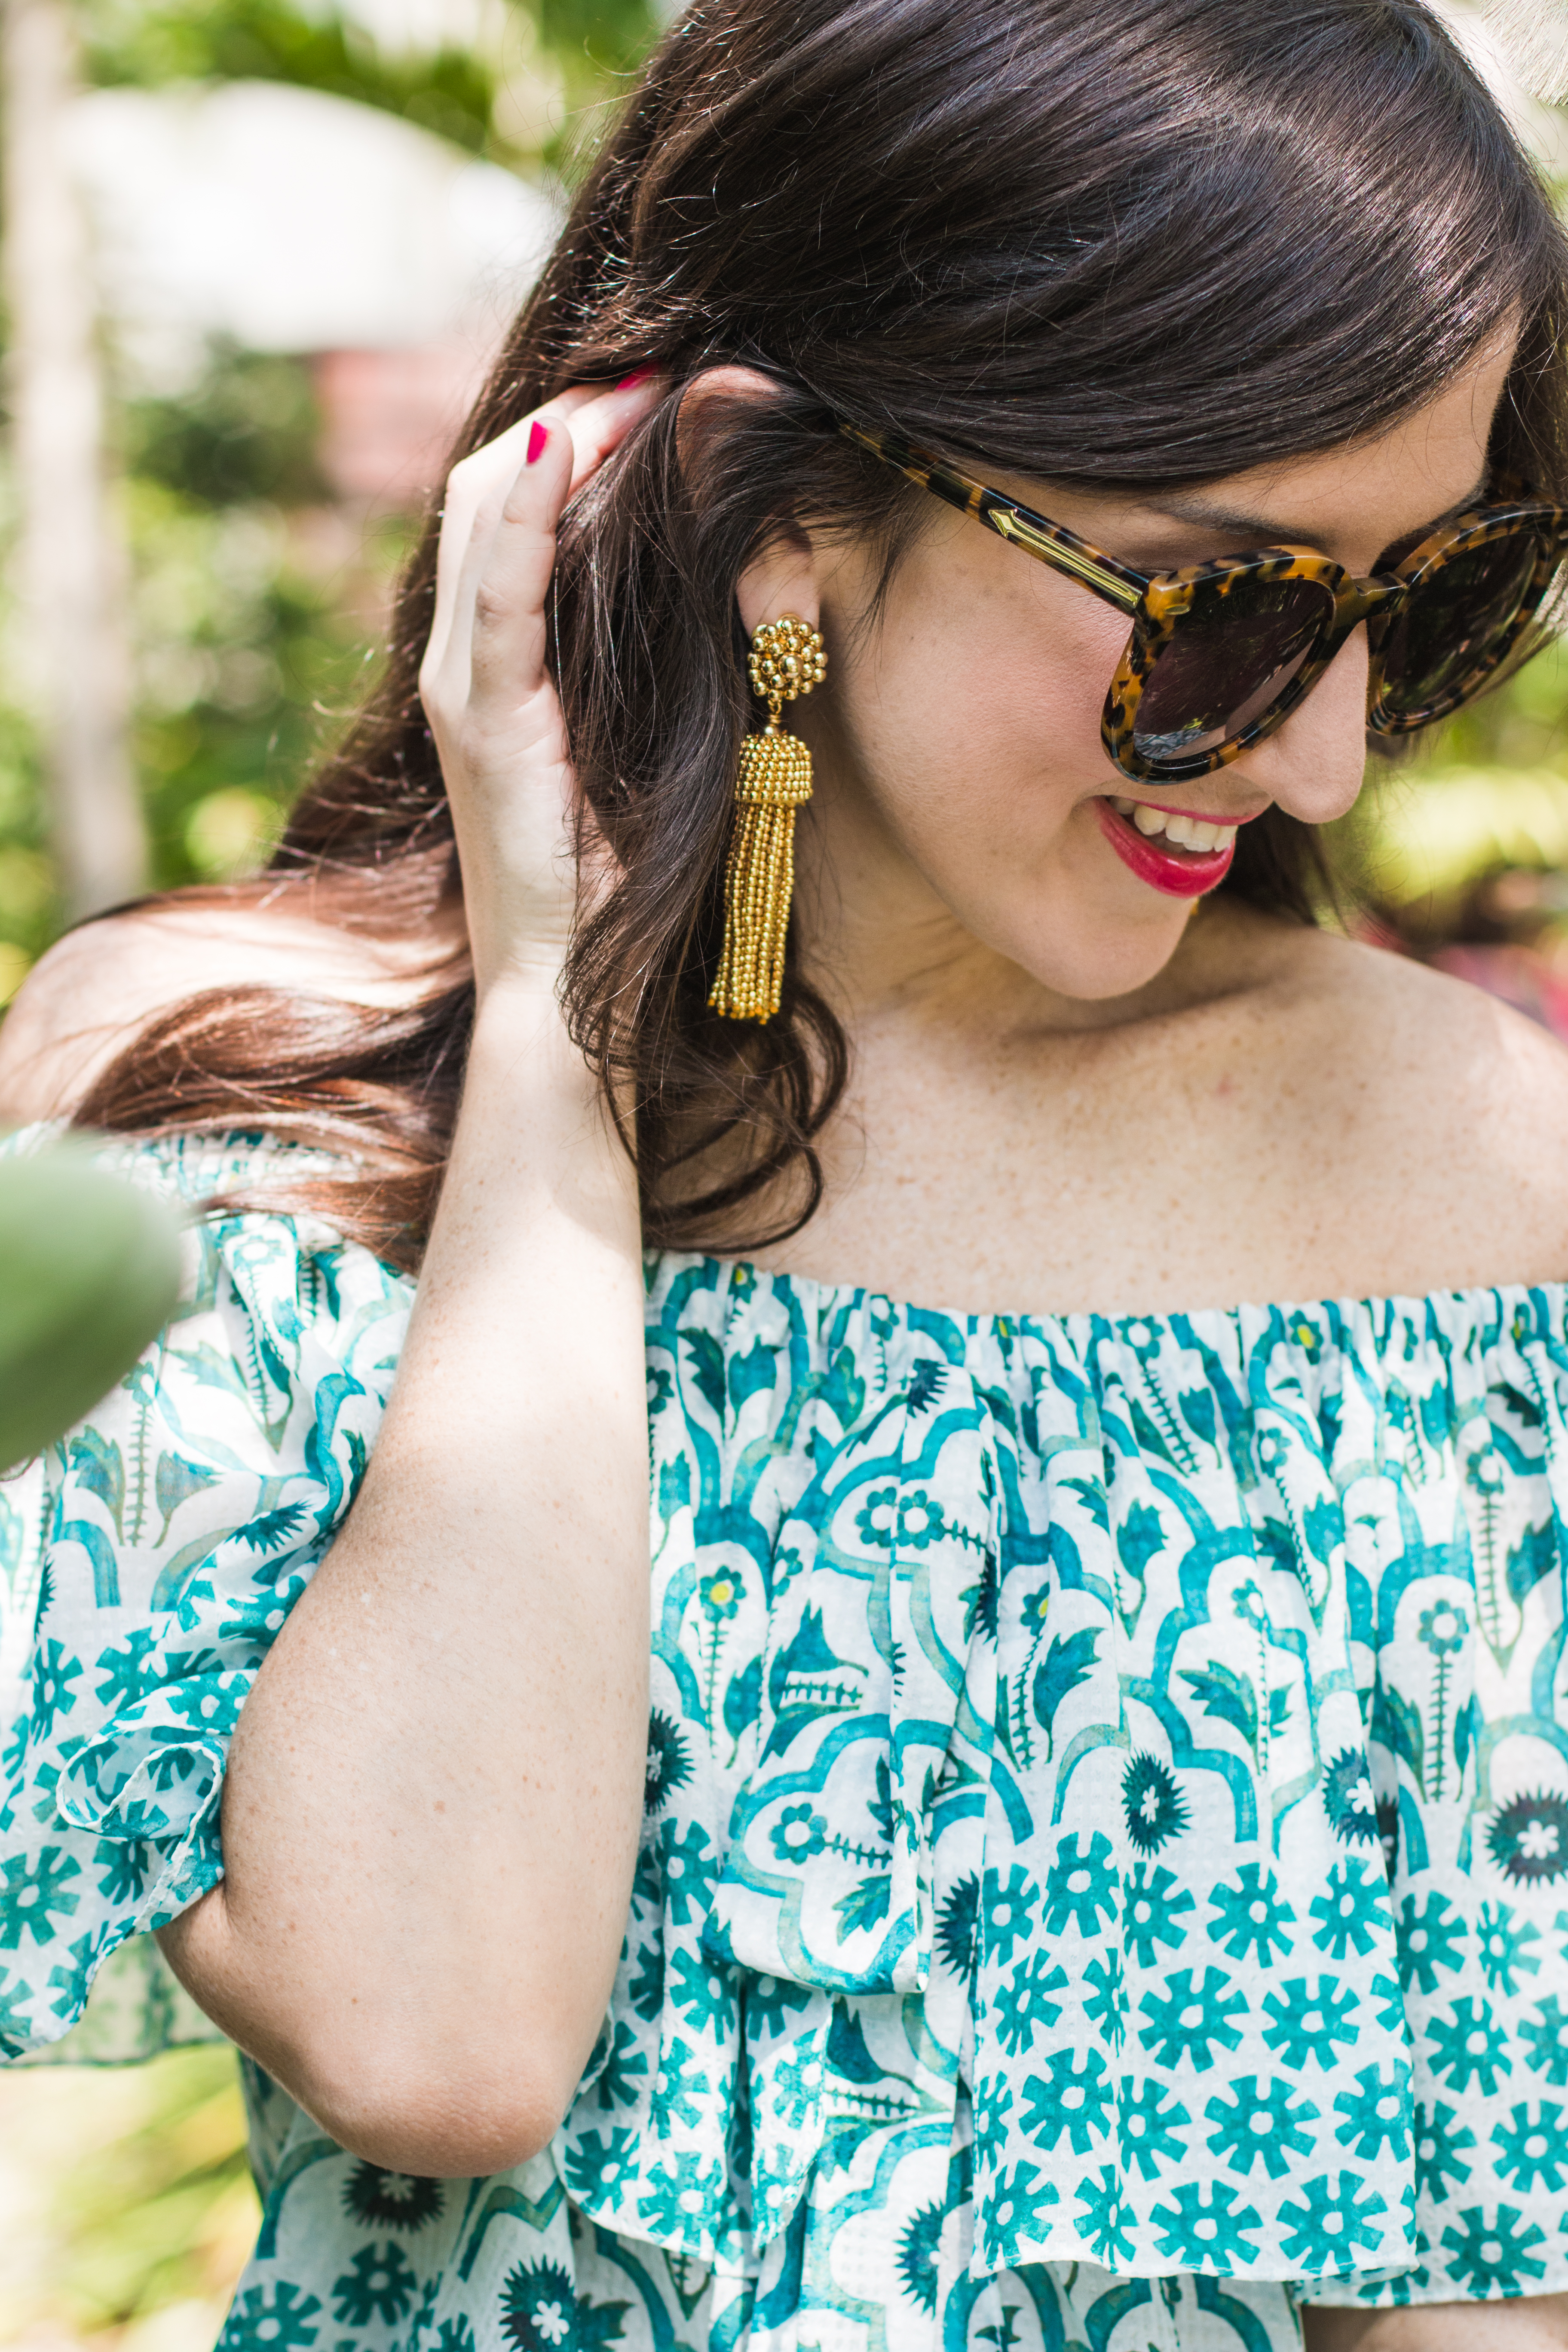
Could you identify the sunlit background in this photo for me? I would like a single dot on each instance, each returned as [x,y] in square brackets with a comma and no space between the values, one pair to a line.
[257,254]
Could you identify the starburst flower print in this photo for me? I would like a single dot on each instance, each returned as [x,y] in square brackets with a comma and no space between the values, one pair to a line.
[1015,2200]
[1440,2157]
[270,2319]
[1547,2033]
[53,1676]
[1468,2046]
[917,2255]
[1494,2257]
[1105,2002]
[1306,2019]
[1073,2096]
[668,1765]
[1105,2216]
[1431,1938]
[1376,2113]
[1184,2025]
[394,2200]
[1252,1916]
[539,2307]
[1148,2119]
[1533,2149]
[1347,1912]
[1348,1799]
[878,1517]
[770,2001]
[703,1991]
[377,2285]
[956,1917]
[681,2194]
[1528,1839]
[1205,2227]
[1153,1905]
[598,2162]
[1008,1909]
[1260,2124]
[1154,1808]
[31,1900]
[1326,2228]
[1081,1885]
[1505,1941]
[1023,2005]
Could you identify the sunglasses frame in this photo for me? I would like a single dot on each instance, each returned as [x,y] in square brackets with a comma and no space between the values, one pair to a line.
[1156,601]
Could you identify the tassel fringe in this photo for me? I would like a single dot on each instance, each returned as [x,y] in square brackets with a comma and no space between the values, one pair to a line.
[759,881]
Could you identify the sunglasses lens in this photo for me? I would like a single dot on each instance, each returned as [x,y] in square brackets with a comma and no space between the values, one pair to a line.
[1454,627]
[1233,653]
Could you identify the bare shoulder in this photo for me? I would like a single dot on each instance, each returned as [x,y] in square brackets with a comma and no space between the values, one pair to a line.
[88,998]
[1447,1104]
[1436,1050]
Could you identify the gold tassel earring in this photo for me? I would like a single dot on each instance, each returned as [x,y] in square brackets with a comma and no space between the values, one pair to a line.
[788,659]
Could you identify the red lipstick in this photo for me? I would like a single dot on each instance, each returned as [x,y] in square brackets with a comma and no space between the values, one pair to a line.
[1180,873]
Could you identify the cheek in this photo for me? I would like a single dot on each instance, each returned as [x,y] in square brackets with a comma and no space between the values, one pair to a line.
[981,712]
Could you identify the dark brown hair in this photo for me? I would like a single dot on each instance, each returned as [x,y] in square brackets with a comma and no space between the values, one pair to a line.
[1101,243]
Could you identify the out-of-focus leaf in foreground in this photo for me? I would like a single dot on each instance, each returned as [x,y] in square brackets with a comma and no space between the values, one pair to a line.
[90,1272]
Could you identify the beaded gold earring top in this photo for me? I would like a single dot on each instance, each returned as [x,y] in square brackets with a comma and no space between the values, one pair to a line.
[788,659]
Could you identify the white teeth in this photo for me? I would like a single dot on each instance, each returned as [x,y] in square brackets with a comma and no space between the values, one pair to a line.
[1185,832]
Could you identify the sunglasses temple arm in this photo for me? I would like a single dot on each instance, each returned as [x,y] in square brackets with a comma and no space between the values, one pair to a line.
[1049,544]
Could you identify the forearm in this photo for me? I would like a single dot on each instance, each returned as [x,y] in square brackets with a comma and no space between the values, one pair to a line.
[431,1814]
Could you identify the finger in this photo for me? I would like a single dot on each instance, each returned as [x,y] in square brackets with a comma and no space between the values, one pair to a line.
[507,629]
[476,488]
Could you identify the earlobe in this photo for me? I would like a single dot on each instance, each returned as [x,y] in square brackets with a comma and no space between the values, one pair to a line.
[782,579]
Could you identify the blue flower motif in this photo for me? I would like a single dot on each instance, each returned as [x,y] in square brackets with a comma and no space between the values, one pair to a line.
[1494,2257]
[682,2197]
[1206,2228]
[1377,2115]
[1468,2046]
[1008,1909]
[798,1834]
[598,2162]
[1533,2149]
[1184,2025]
[1073,2096]
[1153,1904]
[1260,2123]
[1148,2119]
[270,2319]
[1440,2158]
[1252,1916]
[1349,1911]
[31,1900]
[1306,2020]
[1081,1884]
[1021,2002]
[703,1991]
[377,2285]
[1429,1939]
[1106,2214]
[1326,2228]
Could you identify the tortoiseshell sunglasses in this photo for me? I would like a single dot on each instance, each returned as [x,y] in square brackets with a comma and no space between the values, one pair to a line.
[1222,653]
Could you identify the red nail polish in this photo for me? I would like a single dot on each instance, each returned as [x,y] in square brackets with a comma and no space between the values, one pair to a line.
[638,375]
[538,436]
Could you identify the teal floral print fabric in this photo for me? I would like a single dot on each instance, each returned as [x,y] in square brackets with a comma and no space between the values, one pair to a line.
[1104,1876]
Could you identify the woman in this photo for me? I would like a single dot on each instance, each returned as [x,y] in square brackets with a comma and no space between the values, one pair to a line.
[1091,1865]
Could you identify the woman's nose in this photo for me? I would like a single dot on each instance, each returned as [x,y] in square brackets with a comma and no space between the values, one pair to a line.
[1313,767]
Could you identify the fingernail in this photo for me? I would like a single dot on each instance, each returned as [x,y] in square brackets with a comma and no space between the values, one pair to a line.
[538,438]
[637,375]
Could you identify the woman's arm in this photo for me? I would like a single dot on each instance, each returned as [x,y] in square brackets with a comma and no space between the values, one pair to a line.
[431,1814]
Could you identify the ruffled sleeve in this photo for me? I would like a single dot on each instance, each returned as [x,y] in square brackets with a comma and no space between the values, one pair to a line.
[157,1550]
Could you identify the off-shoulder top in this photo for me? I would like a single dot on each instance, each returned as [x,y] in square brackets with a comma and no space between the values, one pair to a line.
[1104,1874]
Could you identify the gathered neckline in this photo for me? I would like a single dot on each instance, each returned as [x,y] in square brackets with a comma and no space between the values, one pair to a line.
[862,1296]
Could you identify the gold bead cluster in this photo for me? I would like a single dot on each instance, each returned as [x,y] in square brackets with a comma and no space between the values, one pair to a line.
[787,658]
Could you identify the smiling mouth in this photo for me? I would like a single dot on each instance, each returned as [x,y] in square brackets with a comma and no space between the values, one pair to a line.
[1170,849]
[1175,827]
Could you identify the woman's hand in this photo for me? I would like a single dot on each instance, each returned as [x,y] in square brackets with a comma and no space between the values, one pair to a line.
[490,700]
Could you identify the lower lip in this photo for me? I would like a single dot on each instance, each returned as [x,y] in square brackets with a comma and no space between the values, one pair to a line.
[1180,873]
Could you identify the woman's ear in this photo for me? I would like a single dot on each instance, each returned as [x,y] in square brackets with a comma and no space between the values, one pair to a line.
[783,577]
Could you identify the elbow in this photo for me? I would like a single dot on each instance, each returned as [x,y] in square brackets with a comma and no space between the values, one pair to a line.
[446,2115]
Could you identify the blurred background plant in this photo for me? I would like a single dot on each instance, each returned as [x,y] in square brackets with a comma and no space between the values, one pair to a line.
[267,246]
[299,229]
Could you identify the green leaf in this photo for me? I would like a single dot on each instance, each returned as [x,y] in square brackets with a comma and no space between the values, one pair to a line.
[1397,1723]
[707,1369]
[1068,1662]
[865,1905]
[1220,1692]
[1533,1557]
[90,1272]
